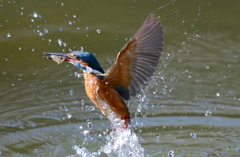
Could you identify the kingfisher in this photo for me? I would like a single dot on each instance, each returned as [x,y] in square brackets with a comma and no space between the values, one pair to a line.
[130,73]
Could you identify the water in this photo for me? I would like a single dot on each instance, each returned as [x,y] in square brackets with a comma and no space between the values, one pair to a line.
[118,143]
[191,107]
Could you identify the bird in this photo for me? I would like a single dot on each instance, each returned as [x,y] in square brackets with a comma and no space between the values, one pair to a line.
[130,73]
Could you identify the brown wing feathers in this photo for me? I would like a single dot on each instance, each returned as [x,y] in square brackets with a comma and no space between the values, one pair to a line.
[149,44]
[138,58]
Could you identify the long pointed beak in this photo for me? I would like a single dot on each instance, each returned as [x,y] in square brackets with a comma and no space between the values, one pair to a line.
[52,54]
[59,57]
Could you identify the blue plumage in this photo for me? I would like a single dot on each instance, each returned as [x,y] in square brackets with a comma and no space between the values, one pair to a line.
[88,58]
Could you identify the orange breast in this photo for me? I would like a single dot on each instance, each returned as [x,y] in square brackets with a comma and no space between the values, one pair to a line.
[99,90]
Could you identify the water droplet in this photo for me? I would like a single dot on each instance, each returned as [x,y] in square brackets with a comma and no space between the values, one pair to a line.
[87,28]
[62,4]
[71,92]
[59,42]
[6,59]
[69,115]
[36,150]
[19,48]
[208,113]
[60,29]
[70,22]
[40,34]
[78,28]
[94,140]
[207,67]
[32,20]
[45,30]
[193,135]
[81,49]
[171,153]
[75,102]
[64,108]
[85,132]
[217,94]
[90,125]
[35,15]
[33,49]
[90,108]
[8,35]
[74,16]
[82,102]
[126,39]
[106,82]
[98,31]
[75,147]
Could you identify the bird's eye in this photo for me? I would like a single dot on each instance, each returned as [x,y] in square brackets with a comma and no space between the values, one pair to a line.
[78,58]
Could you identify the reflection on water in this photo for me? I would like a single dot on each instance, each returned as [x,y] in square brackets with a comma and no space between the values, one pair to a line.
[191,107]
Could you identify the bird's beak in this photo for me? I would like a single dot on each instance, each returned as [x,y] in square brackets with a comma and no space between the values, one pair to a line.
[52,54]
[59,57]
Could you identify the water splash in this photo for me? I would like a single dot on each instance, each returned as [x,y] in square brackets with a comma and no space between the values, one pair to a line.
[119,142]
[123,143]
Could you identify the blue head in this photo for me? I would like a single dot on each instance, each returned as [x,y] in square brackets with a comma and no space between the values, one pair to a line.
[82,59]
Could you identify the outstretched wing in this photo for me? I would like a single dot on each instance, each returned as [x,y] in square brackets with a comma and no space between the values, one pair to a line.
[136,61]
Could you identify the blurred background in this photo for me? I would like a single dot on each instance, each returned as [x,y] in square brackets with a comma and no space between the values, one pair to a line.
[191,106]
